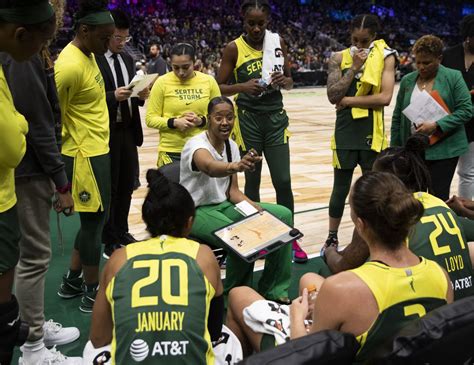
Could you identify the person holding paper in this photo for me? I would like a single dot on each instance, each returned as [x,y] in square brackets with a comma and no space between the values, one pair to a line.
[85,147]
[209,165]
[461,57]
[442,156]
[360,83]
[258,59]
[118,69]
[178,103]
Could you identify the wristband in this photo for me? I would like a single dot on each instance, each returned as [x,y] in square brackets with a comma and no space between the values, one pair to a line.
[171,123]
[204,121]
[64,189]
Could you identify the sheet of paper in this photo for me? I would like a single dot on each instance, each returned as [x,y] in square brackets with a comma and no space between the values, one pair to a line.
[424,108]
[245,208]
[140,82]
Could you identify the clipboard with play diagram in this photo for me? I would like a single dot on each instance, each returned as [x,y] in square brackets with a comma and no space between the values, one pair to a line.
[256,235]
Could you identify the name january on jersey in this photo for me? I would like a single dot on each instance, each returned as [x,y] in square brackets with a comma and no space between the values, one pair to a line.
[159,321]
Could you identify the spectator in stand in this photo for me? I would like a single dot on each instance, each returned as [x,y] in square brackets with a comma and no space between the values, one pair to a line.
[156,63]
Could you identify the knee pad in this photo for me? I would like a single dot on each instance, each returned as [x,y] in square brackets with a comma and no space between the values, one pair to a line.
[13,331]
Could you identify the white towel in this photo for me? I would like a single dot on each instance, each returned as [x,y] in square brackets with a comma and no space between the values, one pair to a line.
[265,316]
[227,349]
[273,59]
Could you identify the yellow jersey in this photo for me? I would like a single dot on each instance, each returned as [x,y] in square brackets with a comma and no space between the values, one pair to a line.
[84,110]
[171,98]
[13,128]
[402,295]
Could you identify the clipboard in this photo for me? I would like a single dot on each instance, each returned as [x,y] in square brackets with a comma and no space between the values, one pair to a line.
[141,82]
[256,235]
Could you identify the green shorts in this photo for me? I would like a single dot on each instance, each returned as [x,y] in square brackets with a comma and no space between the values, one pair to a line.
[268,342]
[263,129]
[349,159]
[9,239]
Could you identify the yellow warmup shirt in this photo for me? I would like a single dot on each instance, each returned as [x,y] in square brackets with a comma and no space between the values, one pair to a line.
[171,98]
[13,127]
[83,106]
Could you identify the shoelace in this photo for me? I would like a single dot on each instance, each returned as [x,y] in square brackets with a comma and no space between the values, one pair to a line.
[55,356]
[52,326]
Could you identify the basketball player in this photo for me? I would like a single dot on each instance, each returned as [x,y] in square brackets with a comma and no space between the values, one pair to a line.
[178,103]
[161,300]
[360,86]
[262,122]
[377,299]
[439,235]
[85,146]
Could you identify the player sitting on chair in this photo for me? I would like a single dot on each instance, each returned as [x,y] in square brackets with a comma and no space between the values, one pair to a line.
[370,302]
[160,299]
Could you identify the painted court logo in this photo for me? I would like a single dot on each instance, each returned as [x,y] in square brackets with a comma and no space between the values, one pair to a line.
[139,350]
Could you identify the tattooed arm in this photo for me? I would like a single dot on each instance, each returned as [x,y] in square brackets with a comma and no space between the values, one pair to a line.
[337,85]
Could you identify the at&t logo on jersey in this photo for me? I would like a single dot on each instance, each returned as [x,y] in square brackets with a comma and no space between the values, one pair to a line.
[139,349]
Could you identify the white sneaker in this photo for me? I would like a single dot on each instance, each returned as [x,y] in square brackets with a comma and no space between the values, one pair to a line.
[47,357]
[56,334]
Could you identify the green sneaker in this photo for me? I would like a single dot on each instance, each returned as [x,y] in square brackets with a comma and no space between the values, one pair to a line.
[88,300]
[71,287]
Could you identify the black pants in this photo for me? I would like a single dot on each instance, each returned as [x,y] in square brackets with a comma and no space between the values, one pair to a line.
[124,164]
[442,172]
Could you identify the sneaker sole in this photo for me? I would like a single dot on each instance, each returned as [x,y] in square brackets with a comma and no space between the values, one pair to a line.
[85,309]
[105,256]
[61,342]
[69,296]
[300,261]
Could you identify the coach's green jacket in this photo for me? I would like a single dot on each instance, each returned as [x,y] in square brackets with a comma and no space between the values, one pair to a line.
[452,88]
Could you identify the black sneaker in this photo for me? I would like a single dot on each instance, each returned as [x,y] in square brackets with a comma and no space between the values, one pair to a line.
[71,288]
[126,239]
[109,250]
[88,300]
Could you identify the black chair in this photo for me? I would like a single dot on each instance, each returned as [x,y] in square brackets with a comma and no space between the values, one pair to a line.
[321,348]
[171,172]
[443,336]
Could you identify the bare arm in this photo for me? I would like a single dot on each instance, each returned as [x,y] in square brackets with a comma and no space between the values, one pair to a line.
[377,100]
[224,74]
[211,167]
[354,255]
[337,85]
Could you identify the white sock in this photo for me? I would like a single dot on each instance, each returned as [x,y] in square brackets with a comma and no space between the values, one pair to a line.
[33,351]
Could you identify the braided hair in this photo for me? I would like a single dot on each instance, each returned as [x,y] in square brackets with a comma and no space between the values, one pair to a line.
[407,163]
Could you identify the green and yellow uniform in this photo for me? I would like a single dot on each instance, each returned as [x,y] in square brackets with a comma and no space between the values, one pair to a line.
[402,295]
[262,124]
[438,236]
[171,98]
[360,133]
[13,128]
[160,303]
[352,139]
[85,145]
